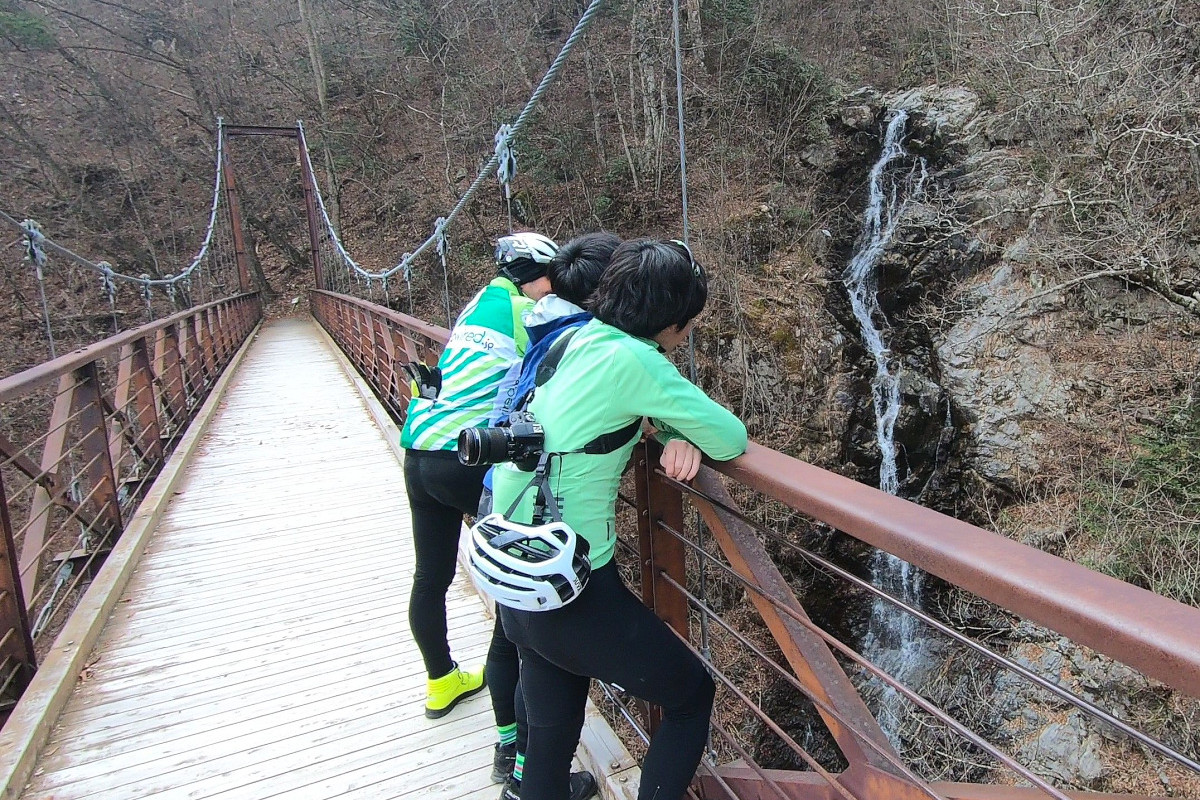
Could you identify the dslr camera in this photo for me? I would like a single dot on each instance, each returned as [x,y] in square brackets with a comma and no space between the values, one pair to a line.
[520,442]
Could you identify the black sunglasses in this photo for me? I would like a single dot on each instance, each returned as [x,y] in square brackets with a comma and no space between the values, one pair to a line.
[691,258]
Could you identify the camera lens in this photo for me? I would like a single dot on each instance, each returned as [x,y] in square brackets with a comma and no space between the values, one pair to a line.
[482,446]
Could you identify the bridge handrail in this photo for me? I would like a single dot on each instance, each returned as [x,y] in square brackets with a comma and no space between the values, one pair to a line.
[428,330]
[1150,633]
[76,461]
[19,383]
[1154,634]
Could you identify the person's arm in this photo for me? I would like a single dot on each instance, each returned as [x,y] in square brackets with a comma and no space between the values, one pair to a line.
[680,409]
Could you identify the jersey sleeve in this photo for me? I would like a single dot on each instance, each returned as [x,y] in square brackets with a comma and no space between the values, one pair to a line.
[680,409]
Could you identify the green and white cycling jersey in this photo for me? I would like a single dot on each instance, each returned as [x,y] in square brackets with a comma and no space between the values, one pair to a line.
[480,367]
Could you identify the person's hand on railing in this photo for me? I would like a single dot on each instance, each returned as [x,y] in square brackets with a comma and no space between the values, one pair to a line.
[680,460]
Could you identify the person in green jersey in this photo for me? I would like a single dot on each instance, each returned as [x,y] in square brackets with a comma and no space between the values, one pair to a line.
[613,372]
[479,368]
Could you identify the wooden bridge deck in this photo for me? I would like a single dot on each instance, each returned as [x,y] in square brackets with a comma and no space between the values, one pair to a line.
[262,648]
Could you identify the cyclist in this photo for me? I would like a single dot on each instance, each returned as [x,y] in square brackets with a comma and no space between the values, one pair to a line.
[614,372]
[476,386]
[574,274]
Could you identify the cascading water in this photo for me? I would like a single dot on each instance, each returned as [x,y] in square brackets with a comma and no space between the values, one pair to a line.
[891,640]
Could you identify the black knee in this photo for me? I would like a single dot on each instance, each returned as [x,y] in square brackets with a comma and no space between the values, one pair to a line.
[698,703]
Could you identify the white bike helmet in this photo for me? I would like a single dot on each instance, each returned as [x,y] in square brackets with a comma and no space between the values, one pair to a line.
[522,257]
[529,567]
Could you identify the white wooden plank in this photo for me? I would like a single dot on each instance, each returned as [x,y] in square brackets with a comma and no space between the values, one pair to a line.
[118,722]
[328,770]
[387,626]
[471,649]
[262,647]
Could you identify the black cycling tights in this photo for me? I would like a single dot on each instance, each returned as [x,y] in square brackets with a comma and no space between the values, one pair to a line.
[502,678]
[606,633]
[440,492]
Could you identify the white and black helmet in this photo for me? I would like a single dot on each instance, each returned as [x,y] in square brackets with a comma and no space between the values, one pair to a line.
[530,567]
[522,257]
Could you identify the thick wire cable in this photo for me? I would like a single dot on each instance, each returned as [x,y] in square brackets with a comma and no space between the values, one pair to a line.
[46,312]
[105,269]
[683,182]
[491,164]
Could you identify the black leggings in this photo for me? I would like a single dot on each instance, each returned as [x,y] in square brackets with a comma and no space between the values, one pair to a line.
[503,683]
[607,633]
[440,491]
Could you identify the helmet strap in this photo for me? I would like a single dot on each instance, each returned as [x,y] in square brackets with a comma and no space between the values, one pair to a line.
[544,499]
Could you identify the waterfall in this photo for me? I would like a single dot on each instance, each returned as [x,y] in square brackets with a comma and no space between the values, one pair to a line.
[891,640]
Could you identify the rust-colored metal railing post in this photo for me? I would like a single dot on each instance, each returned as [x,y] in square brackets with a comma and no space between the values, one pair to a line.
[193,360]
[93,446]
[235,224]
[225,330]
[411,351]
[309,181]
[216,338]
[44,496]
[204,333]
[811,660]
[17,645]
[372,355]
[216,319]
[385,354]
[141,380]
[169,367]
[660,504]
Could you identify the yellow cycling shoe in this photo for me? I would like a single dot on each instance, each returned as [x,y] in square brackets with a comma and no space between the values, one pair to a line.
[445,692]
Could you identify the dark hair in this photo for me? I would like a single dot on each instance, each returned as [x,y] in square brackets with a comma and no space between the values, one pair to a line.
[575,270]
[649,287]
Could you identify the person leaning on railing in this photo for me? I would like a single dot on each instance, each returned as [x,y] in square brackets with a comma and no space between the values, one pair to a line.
[614,372]
[574,274]
[474,385]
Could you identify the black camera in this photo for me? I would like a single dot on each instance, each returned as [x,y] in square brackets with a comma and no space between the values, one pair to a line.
[520,441]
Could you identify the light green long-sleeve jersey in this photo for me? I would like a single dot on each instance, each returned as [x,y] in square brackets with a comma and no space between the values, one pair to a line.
[606,380]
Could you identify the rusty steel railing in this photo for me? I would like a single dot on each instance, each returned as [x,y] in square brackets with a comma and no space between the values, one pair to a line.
[82,438]
[679,568]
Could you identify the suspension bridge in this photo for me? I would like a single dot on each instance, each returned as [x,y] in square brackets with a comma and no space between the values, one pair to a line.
[206,558]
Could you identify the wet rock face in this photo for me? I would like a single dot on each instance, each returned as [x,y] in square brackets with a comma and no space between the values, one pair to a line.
[914,272]
[1000,381]
[974,380]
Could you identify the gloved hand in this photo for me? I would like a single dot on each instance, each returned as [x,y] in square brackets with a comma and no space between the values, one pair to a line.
[425,381]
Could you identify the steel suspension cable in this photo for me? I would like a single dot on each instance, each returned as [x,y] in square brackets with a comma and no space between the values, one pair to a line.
[514,131]
[103,268]
[683,194]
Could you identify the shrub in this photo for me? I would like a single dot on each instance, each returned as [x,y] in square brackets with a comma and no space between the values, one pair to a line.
[1144,526]
[24,29]
[792,94]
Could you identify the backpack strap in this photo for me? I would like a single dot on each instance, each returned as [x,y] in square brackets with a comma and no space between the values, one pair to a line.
[611,442]
[604,443]
[549,365]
